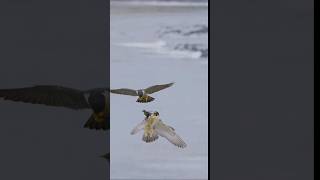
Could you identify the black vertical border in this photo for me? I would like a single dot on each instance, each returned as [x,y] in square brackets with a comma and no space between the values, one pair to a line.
[316,94]
[108,18]
[316,91]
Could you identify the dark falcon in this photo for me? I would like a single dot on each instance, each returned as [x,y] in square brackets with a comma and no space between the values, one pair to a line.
[95,99]
[142,93]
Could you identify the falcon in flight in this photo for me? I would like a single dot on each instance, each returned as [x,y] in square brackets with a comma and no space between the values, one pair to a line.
[95,99]
[153,126]
[142,94]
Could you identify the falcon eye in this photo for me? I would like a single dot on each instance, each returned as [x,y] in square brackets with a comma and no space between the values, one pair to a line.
[156,113]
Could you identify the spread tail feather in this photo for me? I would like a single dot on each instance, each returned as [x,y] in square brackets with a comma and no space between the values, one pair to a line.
[145,99]
[151,138]
[93,123]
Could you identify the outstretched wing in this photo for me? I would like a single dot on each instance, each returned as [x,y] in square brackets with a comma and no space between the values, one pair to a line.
[169,133]
[157,88]
[125,91]
[47,95]
[138,128]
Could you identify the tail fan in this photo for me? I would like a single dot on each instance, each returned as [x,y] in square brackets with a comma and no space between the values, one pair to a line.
[93,123]
[149,138]
[145,99]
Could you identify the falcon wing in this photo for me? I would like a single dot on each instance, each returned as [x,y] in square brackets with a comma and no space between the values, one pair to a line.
[124,91]
[138,128]
[169,133]
[47,95]
[157,88]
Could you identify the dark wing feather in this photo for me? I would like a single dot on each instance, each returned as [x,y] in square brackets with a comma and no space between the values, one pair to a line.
[47,95]
[125,91]
[157,88]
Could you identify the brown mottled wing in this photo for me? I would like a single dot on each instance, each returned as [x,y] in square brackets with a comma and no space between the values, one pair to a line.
[169,133]
[124,91]
[157,88]
[47,95]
